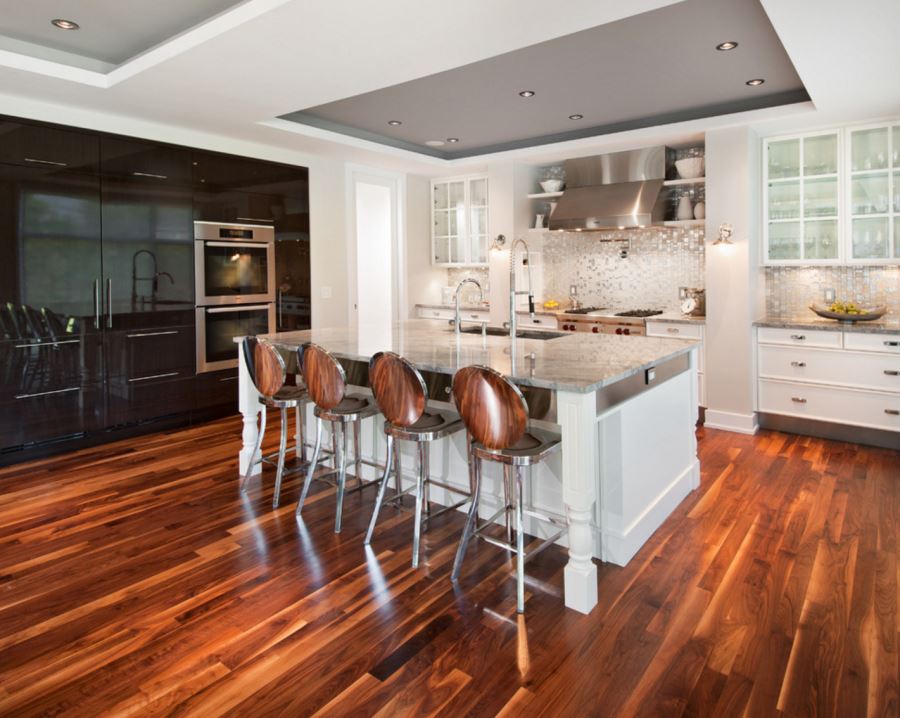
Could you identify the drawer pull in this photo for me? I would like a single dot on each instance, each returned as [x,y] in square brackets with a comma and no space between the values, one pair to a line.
[892,344]
[535,321]
[47,344]
[150,174]
[673,330]
[154,376]
[474,316]
[437,314]
[798,400]
[798,337]
[46,162]
[152,334]
[892,412]
[891,372]
[800,364]
[228,378]
[48,393]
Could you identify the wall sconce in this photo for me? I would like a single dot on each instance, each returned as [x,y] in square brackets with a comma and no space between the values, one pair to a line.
[499,242]
[725,233]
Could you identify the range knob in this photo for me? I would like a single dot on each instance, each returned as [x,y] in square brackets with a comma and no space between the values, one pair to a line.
[618,330]
[596,330]
[626,331]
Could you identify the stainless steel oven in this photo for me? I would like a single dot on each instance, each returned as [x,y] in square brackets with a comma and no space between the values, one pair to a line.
[234,263]
[218,326]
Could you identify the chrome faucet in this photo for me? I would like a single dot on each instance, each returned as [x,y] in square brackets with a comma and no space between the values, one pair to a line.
[512,286]
[459,286]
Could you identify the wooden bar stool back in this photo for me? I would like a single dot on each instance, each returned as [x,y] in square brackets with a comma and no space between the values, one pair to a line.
[268,372]
[496,415]
[326,383]
[402,396]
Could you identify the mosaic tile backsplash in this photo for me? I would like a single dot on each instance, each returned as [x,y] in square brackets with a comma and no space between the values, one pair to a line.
[657,263]
[469,293]
[790,290]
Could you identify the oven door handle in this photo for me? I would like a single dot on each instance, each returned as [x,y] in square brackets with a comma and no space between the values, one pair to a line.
[236,308]
[262,244]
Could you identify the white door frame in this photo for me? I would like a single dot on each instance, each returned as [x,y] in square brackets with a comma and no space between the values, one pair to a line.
[396,183]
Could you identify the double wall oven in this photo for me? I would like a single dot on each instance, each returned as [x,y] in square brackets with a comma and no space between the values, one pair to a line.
[235,286]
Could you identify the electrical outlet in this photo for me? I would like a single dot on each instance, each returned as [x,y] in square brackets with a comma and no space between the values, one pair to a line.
[829,296]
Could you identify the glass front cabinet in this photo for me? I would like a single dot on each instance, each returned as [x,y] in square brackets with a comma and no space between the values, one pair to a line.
[833,197]
[459,221]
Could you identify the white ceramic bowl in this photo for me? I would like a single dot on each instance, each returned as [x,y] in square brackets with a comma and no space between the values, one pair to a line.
[552,185]
[690,167]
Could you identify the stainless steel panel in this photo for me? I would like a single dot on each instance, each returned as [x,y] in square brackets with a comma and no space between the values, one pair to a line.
[621,391]
[631,166]
[629,204]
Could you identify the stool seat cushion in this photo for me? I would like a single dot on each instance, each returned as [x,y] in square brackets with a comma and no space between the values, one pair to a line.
[429,426]
[532,447]
[351,405]
[350,408]
[288,396]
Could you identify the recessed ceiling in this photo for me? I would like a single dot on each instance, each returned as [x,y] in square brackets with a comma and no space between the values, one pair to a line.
[654,68]
[111,31]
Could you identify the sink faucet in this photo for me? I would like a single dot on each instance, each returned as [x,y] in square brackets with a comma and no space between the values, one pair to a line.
[467,280]
[512,286]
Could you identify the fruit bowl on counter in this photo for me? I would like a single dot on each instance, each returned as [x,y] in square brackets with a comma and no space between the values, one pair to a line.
[848,312]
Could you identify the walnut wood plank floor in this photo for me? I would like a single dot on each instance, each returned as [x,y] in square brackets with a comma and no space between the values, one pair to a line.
[135,580]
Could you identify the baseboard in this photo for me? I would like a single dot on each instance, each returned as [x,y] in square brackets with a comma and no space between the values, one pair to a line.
[619,547]
[830,430]
[729,421]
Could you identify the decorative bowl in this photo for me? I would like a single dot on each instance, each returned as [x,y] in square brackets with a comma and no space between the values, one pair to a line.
[689,167]
[867,314]
[552,185]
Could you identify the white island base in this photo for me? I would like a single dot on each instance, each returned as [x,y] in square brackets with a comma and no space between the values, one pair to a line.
[629,457]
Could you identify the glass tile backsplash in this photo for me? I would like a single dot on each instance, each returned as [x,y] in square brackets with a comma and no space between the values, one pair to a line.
[790,290]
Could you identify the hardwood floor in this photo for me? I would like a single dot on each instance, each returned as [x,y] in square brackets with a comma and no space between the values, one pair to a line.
[136,580]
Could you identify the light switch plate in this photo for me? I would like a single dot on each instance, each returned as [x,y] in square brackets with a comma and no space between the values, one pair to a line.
[326,292]
[829,295]
[650,376]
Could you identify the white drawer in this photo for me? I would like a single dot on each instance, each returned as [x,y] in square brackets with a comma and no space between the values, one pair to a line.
[889,343]
[701,388]
[677,330]
[540,321]
[799,337]
[827,366]
[843,406]
[472,315]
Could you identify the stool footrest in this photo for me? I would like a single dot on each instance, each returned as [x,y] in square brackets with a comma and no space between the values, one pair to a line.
[511,547]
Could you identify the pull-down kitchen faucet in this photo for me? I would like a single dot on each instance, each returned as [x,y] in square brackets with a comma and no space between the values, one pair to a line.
[457,320]
[512,286]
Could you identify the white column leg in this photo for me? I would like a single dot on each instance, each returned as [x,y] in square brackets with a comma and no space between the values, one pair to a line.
[577,415]
[249,406]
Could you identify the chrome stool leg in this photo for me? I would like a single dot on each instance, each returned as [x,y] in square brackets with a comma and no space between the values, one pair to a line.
[471,521]
[398,472]
[381,489]
[342,474]
[507,499]
[334,446]
[357,467]
[425,459]
[282,449]
[520,544]
[420,502]
[300,437]
[312,466]
[256,449]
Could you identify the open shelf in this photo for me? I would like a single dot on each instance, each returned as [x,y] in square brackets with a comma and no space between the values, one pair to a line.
[679,182]
[545,195]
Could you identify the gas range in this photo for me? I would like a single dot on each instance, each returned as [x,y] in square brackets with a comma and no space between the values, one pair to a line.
[598,320]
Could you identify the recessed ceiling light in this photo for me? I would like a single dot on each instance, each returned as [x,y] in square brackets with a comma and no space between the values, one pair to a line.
[728,45]
[65,24]
[576,117]
[434,143]
[394,123]
[526,93]
[453,140]
[756,82]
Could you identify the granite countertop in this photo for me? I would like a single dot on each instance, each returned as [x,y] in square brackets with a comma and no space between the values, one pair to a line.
[665,317]
[886,325]
[677,317]
[479,307]
[577,362]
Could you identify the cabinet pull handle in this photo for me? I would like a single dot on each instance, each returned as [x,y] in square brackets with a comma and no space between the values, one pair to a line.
[109,302]
[48,393]
[891,372]
[798,400]
[154,376]
[536,321]
[256,219]
[892,344]
[474,316]
[892,412]
[798,337]
[800,364]
[47,344]
[152,334]
[149,174]
[96,304]
[437,314]
[673,330]
[228,378]
[46,162]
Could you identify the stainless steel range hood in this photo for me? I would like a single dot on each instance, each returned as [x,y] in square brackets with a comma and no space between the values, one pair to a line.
[623,189]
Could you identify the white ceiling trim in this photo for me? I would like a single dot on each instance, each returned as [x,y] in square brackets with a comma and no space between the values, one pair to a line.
[225,21]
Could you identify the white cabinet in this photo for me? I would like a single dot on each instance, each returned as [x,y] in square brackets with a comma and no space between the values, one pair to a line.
[684,330]
[841,377]
[448,314]
[459,221]
[801,199]
[873,188]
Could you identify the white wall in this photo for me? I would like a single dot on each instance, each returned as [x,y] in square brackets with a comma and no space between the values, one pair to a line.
[733,278]
[423,281]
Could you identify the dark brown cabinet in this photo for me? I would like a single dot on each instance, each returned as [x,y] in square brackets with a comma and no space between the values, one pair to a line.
[36,145]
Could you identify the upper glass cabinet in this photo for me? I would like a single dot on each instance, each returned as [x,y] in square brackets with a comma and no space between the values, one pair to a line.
[802,199]
[459,221]
[874,194]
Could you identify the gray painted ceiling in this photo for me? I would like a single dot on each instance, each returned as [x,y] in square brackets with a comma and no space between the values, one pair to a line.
[649,69]
[112,31]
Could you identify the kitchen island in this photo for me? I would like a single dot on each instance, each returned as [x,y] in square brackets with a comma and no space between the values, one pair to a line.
[626,408]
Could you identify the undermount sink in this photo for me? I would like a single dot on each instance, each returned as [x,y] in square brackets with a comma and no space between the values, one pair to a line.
[521,334]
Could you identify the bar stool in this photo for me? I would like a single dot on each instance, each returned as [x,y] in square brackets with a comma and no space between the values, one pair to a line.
[496,415]
[326,383]
[401,395]
[269,374]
